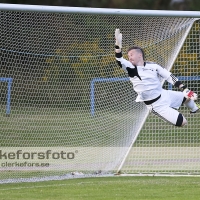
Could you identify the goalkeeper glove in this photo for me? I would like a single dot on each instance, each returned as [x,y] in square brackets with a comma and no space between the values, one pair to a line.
[189,94]
[118,38]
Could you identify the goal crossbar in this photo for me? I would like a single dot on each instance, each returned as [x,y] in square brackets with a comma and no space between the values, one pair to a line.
[98,11]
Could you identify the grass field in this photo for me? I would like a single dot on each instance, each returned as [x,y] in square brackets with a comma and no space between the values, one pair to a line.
[140,188]
[56,127]
[159,147]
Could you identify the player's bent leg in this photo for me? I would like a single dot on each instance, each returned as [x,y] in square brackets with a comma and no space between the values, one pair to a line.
[162,108]
[181,121]
[169,115]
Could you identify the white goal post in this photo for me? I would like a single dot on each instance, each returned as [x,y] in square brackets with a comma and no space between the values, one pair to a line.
[72,110]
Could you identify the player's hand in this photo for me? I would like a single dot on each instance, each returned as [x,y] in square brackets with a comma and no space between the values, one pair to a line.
[118,38]
[189,94]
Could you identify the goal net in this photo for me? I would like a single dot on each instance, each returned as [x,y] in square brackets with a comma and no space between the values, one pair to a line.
[68,110]
[161,148]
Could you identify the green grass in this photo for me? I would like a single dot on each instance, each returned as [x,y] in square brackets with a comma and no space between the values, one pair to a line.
[60,127]
[56,127]
[140,188]
[63,127]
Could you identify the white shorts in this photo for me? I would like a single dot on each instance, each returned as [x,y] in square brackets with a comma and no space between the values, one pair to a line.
[165,107]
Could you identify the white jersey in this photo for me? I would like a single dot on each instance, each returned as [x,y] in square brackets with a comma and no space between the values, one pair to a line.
[146,79]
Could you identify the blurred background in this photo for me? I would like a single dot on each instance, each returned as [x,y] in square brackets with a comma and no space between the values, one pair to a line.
[192,5]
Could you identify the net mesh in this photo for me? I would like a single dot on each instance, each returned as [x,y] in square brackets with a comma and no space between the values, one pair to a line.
[68,94]
[161,148]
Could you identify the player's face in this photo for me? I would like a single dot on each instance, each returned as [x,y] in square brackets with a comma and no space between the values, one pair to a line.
[134,56]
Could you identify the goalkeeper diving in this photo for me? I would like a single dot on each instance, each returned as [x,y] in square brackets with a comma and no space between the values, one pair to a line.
[146,82]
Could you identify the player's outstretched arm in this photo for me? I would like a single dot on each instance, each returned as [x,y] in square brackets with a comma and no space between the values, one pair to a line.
[123,63]
[118,40]
[174,81]
[118,44]
[189,94]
